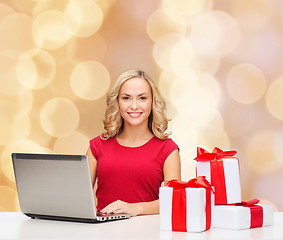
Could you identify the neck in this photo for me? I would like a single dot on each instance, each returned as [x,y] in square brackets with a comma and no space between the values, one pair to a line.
[134,133]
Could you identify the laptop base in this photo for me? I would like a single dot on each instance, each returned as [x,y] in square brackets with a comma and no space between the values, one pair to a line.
[74,219]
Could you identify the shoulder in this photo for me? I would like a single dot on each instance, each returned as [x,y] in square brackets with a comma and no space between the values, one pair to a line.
[168,142]
[100,140]
[99,144]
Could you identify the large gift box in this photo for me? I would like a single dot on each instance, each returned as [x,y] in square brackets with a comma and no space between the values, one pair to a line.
[223,172]
[243,216]
[186,206]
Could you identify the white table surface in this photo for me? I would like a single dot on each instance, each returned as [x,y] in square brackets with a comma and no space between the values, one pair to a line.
[15,225]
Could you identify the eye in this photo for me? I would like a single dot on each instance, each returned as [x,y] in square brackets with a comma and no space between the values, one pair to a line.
[125,98]
[142,98]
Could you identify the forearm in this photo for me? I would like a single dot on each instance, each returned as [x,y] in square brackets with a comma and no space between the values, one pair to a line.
[145,208]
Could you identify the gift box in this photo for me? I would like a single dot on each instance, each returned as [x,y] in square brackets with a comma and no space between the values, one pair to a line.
[223,172]
[243,216]
[186,206]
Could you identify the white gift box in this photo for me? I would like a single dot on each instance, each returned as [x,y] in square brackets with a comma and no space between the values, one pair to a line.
[195,209]
[239,217]
[232,178]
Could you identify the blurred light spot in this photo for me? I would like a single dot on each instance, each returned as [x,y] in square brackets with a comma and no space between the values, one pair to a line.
[184,7]
[85,49]
[83,18]
[274,98]
[278,143]
[42,6]
[8,79]
[12,107]
[90,80]
[75,143]
[179,133]
[239,119]
[59,117]
[246,83]
[15,32]
[36,69]
[193,102]
[159,24]
[10,202]
[163,47]
[5,10]
[206,57]
[210,83]
[14,129]
[181,55]
[219,28]
[270,187]
[165,81]
[22,146]
[260,152]
[49,30]
[252,14]
[213,134]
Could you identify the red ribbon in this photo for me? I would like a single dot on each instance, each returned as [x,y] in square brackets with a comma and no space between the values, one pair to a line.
[217,170]
[256,212]
[179,205]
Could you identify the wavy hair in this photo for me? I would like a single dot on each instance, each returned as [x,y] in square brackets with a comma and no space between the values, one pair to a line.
[114,123]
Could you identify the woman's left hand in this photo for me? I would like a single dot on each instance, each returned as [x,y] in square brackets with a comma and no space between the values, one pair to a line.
[122,207]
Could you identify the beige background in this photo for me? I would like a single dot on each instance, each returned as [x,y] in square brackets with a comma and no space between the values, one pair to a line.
[217,63]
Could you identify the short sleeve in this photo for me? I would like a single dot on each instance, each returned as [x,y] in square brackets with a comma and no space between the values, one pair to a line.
[169,147]
[95,147]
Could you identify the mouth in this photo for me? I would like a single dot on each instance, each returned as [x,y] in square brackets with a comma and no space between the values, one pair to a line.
[135,114]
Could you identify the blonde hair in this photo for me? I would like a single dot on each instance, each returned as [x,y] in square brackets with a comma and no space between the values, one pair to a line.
[114,123]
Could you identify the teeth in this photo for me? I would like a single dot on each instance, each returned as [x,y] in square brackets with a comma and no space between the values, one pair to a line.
[134,114]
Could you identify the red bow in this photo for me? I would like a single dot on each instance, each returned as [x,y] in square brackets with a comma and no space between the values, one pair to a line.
[179,218]
[217,154]
[248,203]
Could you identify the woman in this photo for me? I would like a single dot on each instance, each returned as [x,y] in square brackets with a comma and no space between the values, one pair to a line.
[135,155]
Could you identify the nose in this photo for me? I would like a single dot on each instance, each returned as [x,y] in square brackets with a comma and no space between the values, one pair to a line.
[134,104]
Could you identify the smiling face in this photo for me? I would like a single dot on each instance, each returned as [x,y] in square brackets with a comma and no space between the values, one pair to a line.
[135,102]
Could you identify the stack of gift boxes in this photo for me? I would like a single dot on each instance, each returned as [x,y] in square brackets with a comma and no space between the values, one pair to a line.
[212,199]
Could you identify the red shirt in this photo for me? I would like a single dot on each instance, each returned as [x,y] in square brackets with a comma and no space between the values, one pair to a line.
[130,174]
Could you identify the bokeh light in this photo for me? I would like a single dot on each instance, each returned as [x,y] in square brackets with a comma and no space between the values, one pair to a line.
[59,117]
[10,85]
[75,143]
[252,14]
[14,129]
[274,98]
[10,203]
[181,55]
[36,69]
[90,80]
[5,10]
[86,49]
[185,7]
[246,83]
[20,40]
[22,146]
[159,24]
[83,18]
[163,48]
[49,30]
[220,28]
[260,152]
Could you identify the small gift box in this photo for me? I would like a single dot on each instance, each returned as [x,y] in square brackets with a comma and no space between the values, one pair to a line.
[243,215]
[186,206]
[223,172]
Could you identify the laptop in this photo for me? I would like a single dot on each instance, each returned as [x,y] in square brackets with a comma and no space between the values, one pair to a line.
[57,187]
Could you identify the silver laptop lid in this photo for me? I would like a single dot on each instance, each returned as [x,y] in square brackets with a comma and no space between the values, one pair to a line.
[54,185]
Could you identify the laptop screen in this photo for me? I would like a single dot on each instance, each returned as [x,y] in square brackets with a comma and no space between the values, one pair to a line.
[54,185]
